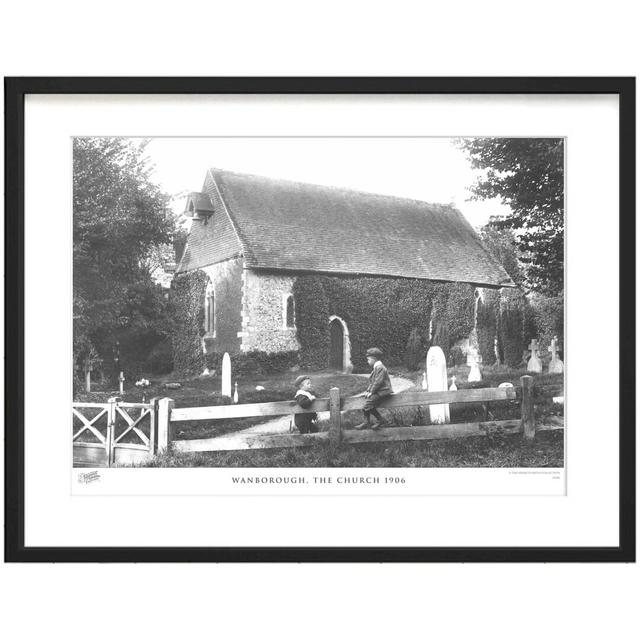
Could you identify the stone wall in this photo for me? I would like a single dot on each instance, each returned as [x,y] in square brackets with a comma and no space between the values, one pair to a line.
[227,278]
[263,322]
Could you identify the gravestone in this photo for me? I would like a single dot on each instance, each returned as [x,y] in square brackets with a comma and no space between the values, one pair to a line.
[226,375]
[436,367]
[424,381]
[88,368]
[235,394]
[534,363]
[505,385]
[556,365]
[121,379]
[473,362]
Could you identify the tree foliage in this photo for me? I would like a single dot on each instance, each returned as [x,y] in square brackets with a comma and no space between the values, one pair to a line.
[527,174]
[118,216]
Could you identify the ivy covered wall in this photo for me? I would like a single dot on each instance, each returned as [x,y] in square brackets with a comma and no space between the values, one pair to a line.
[227,287]
[187,304]
[379,312]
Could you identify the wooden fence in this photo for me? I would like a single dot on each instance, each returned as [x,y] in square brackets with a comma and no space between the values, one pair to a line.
[111,432]
[169,417]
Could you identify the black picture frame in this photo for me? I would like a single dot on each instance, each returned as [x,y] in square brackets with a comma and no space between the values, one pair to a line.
[15,91]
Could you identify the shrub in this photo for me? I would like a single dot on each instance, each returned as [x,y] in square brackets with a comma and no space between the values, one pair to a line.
[488,310]
[548,319]
[160,360]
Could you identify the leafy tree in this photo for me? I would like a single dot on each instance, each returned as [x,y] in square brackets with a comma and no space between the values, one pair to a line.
[503,246]
[528,175]
[118,217]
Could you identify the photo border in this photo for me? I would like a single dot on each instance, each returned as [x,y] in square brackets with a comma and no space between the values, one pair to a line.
[15,91]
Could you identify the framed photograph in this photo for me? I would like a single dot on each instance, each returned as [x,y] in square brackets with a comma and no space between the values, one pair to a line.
[320,319]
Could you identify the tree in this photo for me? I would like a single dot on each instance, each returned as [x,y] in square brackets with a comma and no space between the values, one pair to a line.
[503,246]
[528,175]
[118,217]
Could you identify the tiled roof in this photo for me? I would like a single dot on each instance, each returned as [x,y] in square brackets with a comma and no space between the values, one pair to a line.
[294,226]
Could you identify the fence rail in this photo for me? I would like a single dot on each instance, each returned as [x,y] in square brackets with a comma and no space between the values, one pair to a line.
[336,405]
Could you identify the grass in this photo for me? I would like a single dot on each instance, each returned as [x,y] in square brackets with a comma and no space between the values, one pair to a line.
[504,451]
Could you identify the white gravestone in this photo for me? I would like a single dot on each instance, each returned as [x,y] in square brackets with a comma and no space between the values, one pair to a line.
[556,365]
[235,394]
[453,386]
[505,385]
[534,363]
[437,381]
[473,362]
[226,375]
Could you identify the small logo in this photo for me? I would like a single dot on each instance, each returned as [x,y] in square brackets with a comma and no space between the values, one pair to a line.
[90,476]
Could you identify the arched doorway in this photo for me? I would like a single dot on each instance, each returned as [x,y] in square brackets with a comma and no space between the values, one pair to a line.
[339,345]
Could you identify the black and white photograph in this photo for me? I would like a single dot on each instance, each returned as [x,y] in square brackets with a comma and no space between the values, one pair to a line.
[323,302]
[317,310]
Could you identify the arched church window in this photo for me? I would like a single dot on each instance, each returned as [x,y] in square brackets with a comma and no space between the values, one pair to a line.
[289,312]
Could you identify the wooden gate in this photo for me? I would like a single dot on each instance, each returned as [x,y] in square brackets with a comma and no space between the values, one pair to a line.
[113,432]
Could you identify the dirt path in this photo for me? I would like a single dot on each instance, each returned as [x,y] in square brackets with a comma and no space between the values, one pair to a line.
[281,424]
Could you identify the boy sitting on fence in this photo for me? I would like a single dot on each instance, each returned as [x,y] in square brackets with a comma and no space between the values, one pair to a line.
[379,387]
[305,422]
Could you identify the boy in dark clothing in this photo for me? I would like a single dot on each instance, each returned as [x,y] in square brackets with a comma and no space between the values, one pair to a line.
[379,387]
[305,422]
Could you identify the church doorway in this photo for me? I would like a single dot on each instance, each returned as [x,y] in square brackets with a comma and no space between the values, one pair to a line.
[339,345]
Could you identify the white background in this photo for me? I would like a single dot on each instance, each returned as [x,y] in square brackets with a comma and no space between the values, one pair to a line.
[547,38]
[54,517]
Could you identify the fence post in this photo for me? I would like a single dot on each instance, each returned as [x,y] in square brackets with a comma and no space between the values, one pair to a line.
[153,424]
[335,429]
[165,431]
[528,415]
[111,426]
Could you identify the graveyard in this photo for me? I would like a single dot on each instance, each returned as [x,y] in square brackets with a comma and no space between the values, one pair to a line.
[496,449]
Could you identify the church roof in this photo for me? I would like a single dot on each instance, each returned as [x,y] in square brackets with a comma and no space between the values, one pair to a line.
[293,226]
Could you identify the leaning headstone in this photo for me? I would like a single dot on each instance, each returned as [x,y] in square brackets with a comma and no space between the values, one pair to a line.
[437,381]
[534,363]
[226,375]
[556,365]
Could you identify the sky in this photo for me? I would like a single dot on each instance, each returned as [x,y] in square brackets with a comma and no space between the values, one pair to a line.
[429,169]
